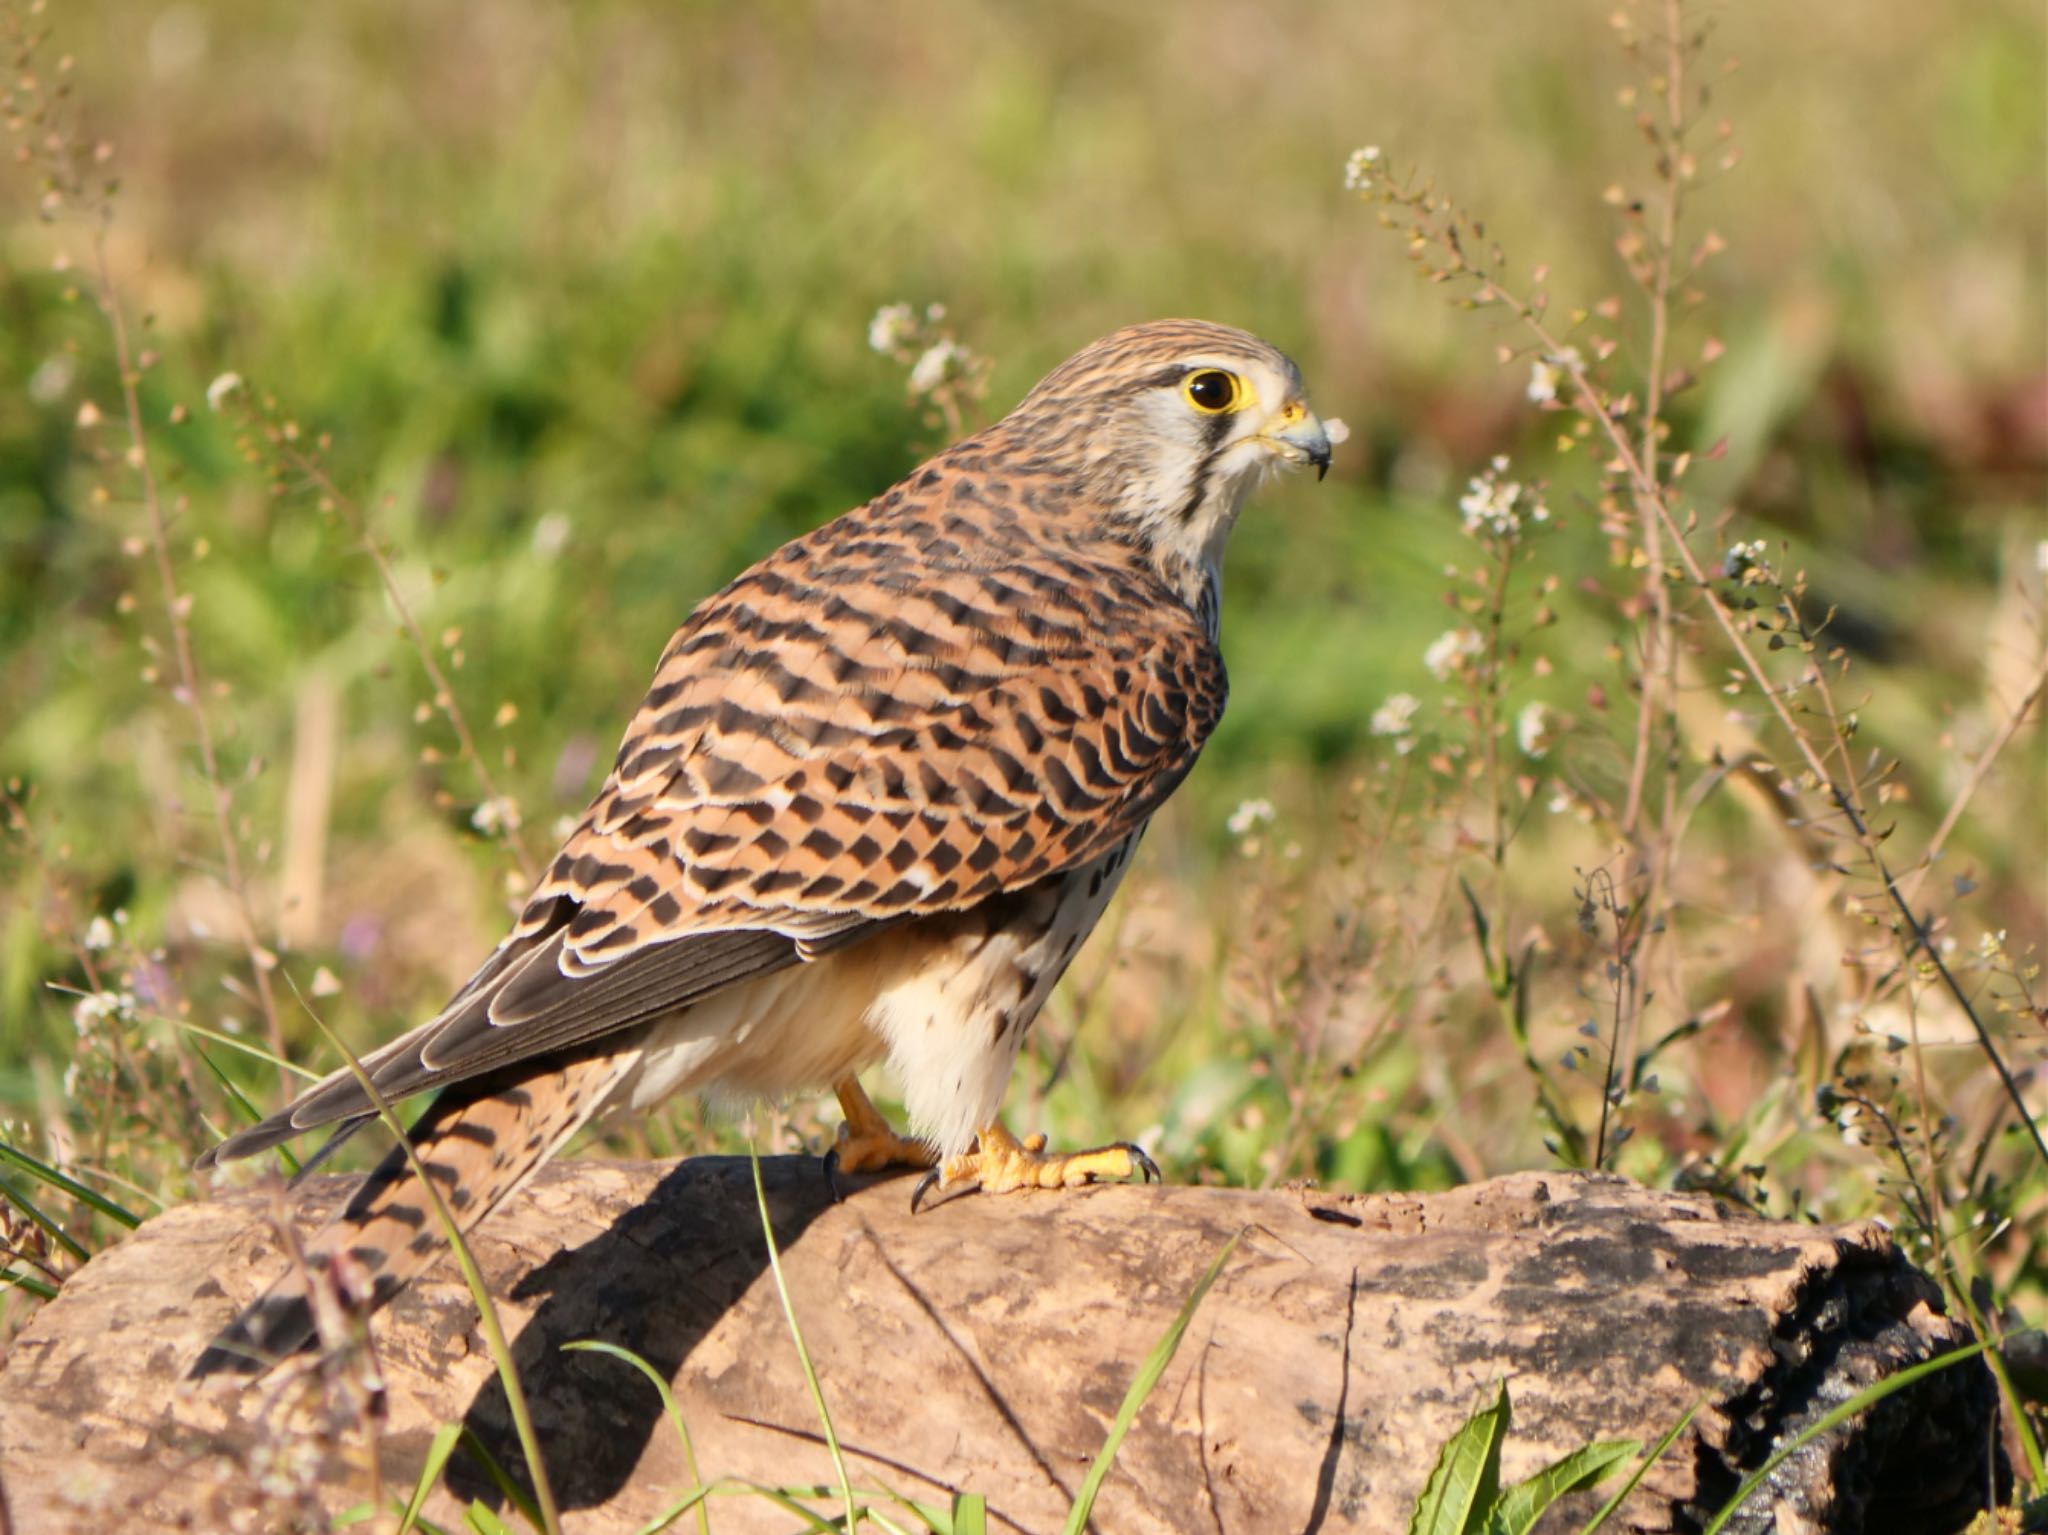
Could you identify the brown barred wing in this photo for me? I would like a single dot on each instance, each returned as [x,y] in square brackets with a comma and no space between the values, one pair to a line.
[910,752]
[811,768]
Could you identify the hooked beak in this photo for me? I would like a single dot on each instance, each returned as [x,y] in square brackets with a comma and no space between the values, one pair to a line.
[1299,437]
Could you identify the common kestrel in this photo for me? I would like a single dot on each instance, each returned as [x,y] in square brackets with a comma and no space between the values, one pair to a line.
[881,789]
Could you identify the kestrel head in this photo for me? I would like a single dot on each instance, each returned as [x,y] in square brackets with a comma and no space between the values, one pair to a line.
[1168,426]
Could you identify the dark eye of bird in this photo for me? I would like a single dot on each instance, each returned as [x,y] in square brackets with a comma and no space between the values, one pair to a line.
[1211,389]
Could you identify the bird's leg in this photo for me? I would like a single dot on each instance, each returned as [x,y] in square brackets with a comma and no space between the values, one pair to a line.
[1001,1163]
[866,1144]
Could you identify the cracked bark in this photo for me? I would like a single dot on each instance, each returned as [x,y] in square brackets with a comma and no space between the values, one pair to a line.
[987,1344]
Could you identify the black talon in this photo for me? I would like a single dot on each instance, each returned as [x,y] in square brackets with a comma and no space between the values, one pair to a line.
[1148,1170]
[831,1161]
[924,1186]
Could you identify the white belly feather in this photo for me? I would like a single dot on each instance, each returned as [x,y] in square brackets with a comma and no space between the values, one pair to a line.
[947,1000]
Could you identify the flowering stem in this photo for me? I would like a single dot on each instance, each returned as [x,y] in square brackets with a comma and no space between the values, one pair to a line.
[444,695]
[177,606]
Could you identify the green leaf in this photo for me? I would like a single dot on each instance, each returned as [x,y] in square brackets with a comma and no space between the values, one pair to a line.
[446,1437]
[784,1498]
[694,1498]
[16,1279]
[44,1173]
[46,1222]
[1141,1387]
[675,1416]
[249,1047]
[513,1493]
[241,1101]
[1461,1490]
[1523,1504]
[1670,1436]
[478,1517]
[1482,933]
[236,1096]
[796,1334]
[970,1514]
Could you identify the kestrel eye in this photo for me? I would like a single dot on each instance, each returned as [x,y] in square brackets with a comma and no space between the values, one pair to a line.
[1212,390]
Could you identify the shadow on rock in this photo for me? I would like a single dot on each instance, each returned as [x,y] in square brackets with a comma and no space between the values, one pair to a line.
[655,1283]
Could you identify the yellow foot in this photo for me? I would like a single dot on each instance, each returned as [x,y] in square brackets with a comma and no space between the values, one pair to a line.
[866,1144]
[1000,1164]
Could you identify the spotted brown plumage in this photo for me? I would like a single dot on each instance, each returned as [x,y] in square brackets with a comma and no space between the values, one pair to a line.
[880,790]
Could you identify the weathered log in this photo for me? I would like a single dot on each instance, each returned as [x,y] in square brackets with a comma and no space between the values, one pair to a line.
[987,1344]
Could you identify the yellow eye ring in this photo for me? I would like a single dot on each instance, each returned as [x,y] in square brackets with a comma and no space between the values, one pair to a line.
[1213,391]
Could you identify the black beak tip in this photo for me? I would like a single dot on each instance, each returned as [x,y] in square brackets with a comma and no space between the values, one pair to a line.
[1322,462]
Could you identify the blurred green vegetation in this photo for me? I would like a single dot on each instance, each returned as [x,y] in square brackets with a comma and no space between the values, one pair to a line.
[581,295]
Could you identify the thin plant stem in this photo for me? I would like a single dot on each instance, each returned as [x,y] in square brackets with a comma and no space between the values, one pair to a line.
[803,1353]
[444,699]
[487,1309]
[177,608]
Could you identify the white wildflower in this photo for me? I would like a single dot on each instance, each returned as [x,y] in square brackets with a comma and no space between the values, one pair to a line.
[52,379]
[2041,556]
[496,815]
[96,1007]
[99,934]
[1449,651]
[551,534]
[1358,169]
[939,362]
[222,386]
[1396,718]
[1546,373]
[1496,505]
[892,328]
[1335,430]
[1747,562]
[1532,730]
[1249,814]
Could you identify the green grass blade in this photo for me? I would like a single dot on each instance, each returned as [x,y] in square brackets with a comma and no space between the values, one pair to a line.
[248,1110]
[1461,1489]
[446,1437]
[480,1519]
[1869,1396]
[44,1173]
[1521,1505]
[15,1279]
[784,1499]
[46,1223]
[696,1498]
[1141,1387]
[500,1478]
[487,1310]
[1670,1437]
[236,1096]
[675,1416]
[803,1354]
[960,1514]
[249,1047]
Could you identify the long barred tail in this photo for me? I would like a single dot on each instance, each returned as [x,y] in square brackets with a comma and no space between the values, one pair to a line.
[478,1141]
